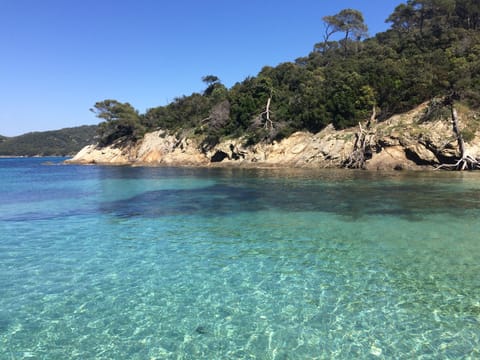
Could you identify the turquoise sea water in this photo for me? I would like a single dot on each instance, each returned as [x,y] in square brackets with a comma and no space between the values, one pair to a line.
[165,263]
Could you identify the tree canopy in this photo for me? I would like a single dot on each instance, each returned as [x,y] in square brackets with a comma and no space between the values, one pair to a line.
[432,48]
[121,121]
[348,21]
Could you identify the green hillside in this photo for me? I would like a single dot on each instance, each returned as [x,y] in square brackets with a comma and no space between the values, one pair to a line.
[431,50]
[62,142]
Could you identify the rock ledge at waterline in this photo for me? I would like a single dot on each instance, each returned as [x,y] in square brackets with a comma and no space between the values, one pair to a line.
[401,142]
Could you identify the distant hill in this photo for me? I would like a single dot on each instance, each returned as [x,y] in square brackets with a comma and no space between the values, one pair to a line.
[62,142]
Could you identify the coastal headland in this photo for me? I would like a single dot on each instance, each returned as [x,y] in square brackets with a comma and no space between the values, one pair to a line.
[402,142]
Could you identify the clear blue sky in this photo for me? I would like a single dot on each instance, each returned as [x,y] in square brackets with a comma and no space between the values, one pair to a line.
[59,57]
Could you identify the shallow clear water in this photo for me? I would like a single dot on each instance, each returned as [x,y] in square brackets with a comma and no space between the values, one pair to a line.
[164,263]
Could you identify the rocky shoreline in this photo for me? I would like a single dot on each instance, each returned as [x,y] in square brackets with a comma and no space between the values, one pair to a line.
[403,142]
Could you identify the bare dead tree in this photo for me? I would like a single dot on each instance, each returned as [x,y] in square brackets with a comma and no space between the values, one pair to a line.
[213,124]
[218,116]
[362,149]
[268,124]
[264,119]
[466,161]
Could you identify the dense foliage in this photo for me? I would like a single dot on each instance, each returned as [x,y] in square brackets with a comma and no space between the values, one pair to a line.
[48,143]
[431,49]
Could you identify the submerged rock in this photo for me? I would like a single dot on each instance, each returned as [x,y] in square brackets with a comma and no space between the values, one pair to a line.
[202,330]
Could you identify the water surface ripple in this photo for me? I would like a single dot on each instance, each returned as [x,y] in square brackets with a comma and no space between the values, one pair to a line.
[165,263]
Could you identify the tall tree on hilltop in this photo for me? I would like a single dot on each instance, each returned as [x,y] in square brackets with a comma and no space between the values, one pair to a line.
[212,82]
[348,21]
[403,18]
[468,14]
[435,16]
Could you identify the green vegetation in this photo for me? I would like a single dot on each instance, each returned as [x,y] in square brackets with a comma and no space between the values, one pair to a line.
[432,49]
[48,143]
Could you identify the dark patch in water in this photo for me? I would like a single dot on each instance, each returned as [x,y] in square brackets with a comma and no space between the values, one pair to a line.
[354,201]
[202,330]
[45,215]
[215,200]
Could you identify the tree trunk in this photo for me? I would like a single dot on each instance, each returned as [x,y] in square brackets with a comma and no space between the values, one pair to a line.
[268,122]
[466,162]
[456,130]
[362,149]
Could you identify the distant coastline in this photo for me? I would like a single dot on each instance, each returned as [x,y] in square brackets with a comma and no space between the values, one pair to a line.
[63,142]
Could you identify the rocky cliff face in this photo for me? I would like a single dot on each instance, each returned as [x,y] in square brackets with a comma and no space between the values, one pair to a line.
[402,142]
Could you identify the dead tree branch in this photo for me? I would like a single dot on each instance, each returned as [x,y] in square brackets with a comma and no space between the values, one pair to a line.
[362,149]
[268,125]
[466,161]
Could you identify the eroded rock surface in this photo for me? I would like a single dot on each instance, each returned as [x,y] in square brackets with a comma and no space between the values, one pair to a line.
[401,142]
